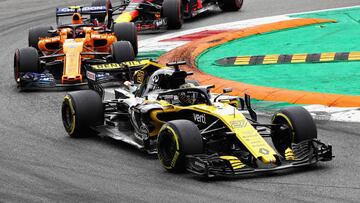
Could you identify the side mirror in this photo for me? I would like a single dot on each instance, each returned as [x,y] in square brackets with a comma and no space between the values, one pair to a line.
[176,64]
[227,90]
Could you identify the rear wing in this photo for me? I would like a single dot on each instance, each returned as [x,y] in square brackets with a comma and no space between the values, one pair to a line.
[119,73]
[107,72]
[86,10]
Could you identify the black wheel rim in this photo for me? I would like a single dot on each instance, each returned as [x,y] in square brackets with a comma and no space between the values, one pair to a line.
[281,135]
[167,146]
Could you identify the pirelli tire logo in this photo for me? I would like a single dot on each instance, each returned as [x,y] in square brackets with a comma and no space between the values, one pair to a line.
[289,58]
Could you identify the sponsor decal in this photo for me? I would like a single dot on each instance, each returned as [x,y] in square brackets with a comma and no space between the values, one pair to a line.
[156,78]
[90,75]
[238,123]
[94,8]
[264,151]
[140,76]
[200,118]
[83,9]
[173,161]
[135,63]
[107,66]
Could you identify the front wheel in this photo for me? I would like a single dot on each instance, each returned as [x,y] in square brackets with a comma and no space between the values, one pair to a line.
[127,32]
[26,60]
[294,125]
[173,11]
[177,139]
[81,110]
[122,51]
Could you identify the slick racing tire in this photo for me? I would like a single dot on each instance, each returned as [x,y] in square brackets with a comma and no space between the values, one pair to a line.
[127,32]
[100,17]
[177,139]
[173,11]
[122,51]
[26,60]
[230,5]
[36,33]
[80,110]
[297,125]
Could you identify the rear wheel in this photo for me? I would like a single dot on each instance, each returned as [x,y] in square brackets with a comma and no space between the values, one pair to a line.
[127,32]
[36,33]
[177,139]
[80,110]
[173,11]
[296,125]
[26,60]
[100,17]
[122,51]
[230,5]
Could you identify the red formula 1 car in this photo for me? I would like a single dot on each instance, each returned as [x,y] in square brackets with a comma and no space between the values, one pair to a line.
[153,15]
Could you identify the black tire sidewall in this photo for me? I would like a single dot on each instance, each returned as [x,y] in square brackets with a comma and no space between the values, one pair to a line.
[88,110]
[126,31]
[122,51]
[26,60]
[173,11]
[230,5]
[36,33]
[300,121]
[189,140]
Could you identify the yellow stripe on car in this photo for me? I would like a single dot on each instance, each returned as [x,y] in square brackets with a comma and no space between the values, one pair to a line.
[234,162]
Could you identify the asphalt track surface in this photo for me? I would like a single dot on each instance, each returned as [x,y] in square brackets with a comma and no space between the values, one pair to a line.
[39,163]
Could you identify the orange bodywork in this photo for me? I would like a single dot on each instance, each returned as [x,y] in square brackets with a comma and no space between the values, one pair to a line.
[70,47]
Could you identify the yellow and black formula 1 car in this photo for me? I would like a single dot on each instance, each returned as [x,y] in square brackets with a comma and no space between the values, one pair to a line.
[190,128]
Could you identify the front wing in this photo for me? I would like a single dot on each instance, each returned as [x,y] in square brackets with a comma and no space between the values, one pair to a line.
[34,81]
[306,153]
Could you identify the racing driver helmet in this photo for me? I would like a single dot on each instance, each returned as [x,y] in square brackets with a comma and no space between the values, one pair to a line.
[76,19]
[166,78]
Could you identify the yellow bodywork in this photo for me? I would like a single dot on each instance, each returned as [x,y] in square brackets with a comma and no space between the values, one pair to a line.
[127,16]
[232,118]
[124,17]
[234,162]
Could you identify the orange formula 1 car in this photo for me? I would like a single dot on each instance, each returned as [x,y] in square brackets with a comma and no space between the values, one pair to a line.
[59,57]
